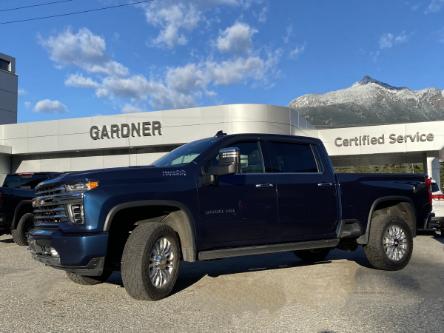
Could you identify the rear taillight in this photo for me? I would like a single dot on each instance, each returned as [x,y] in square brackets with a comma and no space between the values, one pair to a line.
[428,183]
[438,196]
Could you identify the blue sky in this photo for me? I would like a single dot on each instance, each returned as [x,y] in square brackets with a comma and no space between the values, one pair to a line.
[174,54]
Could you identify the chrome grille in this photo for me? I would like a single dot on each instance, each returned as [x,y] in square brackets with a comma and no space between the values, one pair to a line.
[51,204]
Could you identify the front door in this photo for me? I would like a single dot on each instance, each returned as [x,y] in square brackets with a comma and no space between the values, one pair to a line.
[239,209]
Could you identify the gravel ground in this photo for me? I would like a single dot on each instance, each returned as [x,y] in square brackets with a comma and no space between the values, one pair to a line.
[271,293]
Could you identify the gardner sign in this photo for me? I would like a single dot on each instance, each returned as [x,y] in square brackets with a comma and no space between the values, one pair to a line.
[122,131]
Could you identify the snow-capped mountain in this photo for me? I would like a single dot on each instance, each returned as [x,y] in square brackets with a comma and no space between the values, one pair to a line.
[371,102]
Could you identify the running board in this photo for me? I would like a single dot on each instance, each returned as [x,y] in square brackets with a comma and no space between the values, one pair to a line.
[263,249]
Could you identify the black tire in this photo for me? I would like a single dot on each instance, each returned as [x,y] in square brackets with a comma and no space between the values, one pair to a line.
[136,260]
[442,232]
[20,234]
[88,280]
[314,255]
[377,253]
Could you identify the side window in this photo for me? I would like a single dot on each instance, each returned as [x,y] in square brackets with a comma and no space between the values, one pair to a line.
[250,157]
[292,158]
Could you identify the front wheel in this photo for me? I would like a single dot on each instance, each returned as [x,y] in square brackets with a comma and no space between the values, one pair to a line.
[390,244]
[150,262]
[24,226]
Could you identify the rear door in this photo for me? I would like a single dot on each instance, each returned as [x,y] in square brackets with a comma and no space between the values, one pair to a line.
[307,206]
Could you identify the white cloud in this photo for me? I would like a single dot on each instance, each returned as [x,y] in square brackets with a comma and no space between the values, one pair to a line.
[175,87]
[173,20]
[80,81]
[177,19]
[22,92]
[128,108]
[134,87]
[288,34]
[182,86]
[236,39]
[27,104]
[434,6]
[388,40]
[187,79]
[82,49]
[297,51]
[50,106]
[240,69]
[262,16]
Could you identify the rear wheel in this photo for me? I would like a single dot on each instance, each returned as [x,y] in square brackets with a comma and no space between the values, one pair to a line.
[150,262]
[24,226]
[390,243]
[314,255]
[88,280]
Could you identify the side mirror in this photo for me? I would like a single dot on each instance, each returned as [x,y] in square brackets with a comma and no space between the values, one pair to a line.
[229,162]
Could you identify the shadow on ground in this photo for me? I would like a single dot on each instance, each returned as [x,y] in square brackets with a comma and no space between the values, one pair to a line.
[6,241]
[191,273]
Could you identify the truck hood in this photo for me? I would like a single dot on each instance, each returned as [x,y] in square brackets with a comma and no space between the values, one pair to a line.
[118,175]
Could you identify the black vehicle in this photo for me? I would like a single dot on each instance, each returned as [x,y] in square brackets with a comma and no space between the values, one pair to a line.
[16,195]
[225,196]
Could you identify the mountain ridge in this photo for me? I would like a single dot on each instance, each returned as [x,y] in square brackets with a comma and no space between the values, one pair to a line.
[371,102]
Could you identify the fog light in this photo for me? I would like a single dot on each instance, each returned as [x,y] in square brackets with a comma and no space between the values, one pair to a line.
[53,252]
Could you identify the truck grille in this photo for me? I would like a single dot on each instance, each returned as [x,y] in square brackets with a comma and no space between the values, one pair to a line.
[53,204]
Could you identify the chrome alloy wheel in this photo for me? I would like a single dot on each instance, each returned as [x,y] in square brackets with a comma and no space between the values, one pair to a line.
[395,243]
[161,262]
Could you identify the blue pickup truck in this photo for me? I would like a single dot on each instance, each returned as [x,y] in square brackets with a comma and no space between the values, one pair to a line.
[16,195]
[225,196]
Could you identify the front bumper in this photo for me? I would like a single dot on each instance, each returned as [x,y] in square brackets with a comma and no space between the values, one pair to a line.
[83,254]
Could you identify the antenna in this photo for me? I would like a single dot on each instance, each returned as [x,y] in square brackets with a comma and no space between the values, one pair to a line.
[220,134]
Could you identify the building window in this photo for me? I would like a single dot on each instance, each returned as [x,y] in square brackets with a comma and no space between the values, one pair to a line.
[5,65]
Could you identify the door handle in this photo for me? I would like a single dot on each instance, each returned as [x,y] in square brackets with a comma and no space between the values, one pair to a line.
[266,185]
[325,184]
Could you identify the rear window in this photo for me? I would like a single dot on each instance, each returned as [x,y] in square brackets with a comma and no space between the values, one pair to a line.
[24,181]
[435,187]
[292,158]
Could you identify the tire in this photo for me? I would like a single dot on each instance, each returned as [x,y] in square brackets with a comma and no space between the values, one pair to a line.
[88,280]
[442,232]
[314,255]
[385,251]
[20,234]
[146,276]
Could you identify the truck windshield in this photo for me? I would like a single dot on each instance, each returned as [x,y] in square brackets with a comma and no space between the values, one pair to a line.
[184,154]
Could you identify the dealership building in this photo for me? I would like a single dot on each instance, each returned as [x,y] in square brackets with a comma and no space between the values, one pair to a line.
[140,138]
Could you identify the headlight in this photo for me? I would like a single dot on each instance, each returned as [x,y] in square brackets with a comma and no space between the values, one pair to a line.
[82,187]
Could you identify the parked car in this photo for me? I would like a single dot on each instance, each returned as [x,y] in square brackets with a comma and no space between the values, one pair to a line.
[438,207]
[225,196]
[16,194]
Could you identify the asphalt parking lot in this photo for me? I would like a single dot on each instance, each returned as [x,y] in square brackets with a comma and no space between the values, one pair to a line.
[262,293]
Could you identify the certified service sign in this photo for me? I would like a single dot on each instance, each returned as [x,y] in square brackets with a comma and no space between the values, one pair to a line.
[122,131]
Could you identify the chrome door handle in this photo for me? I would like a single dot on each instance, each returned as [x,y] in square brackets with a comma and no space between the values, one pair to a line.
[266,185]
[325,184]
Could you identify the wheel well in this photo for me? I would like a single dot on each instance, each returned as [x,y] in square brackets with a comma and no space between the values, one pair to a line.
[23,208]
[127,219]
[391,206]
